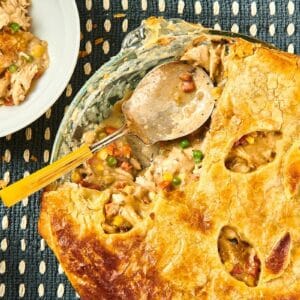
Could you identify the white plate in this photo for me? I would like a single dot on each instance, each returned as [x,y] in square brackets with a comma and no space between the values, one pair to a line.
[57,22]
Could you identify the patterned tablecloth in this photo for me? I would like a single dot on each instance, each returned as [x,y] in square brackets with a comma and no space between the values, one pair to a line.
[28,269]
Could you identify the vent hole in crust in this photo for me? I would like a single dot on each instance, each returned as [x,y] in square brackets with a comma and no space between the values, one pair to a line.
[239,257]
[125,209]
[117,216]
[252,151]
[277,261]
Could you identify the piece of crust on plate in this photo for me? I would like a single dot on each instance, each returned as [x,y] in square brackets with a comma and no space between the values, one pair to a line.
[232,234]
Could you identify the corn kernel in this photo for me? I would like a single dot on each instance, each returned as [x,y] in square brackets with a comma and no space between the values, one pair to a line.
[102,154]
[250,140]
[167,176]
[98,167]
[75,177]
[37,51]
[118,221]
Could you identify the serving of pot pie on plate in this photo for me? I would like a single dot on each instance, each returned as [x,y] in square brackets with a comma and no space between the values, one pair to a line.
[23,56]
[214,215]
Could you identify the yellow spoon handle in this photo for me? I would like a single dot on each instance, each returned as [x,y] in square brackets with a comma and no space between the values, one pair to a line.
[38,180]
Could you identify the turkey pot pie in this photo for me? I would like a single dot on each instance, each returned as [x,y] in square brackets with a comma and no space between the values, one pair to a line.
[215,215]
[23,56]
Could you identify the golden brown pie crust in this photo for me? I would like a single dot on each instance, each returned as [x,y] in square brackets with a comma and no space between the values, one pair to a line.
[173,254]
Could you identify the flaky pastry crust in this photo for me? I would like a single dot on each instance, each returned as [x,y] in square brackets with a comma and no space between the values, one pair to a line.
[173,253]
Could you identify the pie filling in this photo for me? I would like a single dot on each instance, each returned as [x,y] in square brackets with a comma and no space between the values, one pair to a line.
[121,169]
[239,257]
[23,56]
[252,151]
[118,168]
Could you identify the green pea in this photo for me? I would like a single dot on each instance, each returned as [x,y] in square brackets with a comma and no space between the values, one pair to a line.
[176,181]
[15,27]
[184,143]
[12,68]
[111,161]
[198,156]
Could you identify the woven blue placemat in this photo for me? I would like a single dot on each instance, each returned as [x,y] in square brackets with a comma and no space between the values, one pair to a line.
[28,268]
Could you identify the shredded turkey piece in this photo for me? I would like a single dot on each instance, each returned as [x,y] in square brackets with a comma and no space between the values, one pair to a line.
[14,11]
[21,81]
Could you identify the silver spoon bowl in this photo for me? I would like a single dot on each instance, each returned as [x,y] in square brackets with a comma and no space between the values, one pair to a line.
[171,101]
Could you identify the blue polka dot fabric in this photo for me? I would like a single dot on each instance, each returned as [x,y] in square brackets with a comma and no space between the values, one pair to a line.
[28,269]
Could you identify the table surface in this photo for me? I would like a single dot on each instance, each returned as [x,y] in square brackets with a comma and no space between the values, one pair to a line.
[28,269]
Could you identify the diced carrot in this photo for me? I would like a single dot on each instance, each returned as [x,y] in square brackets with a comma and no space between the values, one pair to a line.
[125,151]
[117,152]
[188,86]
[165,185]
[126,166]
[7,74]
[111,149]
[110,129]
[186,76]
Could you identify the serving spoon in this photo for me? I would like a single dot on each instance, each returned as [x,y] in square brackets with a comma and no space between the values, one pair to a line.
[171,101]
